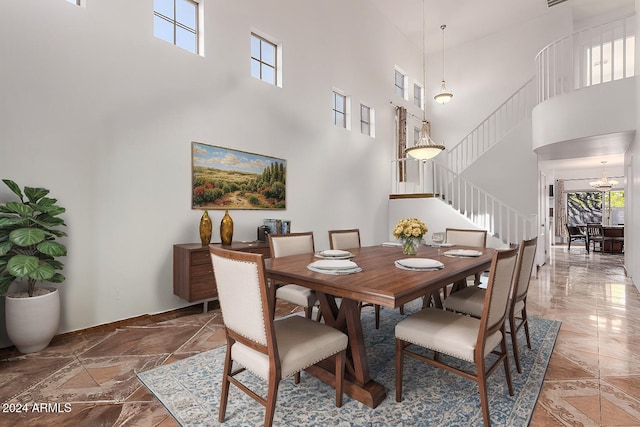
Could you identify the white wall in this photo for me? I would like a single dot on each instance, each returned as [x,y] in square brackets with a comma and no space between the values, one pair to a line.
[632,201]
[103,114]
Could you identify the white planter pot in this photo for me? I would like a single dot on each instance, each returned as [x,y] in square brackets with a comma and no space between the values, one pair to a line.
[33,321]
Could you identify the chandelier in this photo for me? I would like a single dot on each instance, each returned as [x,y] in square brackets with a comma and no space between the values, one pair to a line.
[604,184]
[424,149]
[444,95]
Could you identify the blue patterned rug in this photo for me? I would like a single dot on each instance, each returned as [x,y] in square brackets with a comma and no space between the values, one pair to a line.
[190,388]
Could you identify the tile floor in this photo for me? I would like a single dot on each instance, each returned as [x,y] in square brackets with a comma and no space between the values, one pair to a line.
[88,379]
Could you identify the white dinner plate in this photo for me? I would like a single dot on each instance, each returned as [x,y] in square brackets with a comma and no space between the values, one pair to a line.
[334,264]
[420,263]
[463,253]
[334,254]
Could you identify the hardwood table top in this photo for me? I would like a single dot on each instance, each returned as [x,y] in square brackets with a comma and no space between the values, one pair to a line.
[380,281]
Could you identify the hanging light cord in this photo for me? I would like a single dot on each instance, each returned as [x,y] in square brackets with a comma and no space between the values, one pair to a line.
[424,67]
[442,27]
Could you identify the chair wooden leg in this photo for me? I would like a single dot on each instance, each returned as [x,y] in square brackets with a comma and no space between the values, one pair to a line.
[376,307]
[525,323]
[224,393]
[482,388]
[270,404]
[296,377]
[514,340]
[340,361]
[507,372]
[400,345]
[402,309]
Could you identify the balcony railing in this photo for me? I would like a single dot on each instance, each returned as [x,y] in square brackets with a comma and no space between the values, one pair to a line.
[592,56]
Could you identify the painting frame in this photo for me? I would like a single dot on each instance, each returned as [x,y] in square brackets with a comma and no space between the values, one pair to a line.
[226,178]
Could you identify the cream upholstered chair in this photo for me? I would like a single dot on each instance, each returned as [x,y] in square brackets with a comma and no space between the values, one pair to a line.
[466,237]
[344,239]
[294,244]
[350,239]
[463,337]
[470,300]
[270,349]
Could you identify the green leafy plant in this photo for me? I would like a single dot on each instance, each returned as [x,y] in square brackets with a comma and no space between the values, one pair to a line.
[28,232]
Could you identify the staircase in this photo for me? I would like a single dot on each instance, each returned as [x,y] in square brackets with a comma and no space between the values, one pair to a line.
[483,209]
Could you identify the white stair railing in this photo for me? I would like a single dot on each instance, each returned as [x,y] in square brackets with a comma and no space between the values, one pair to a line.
[482,208]
[496,126]
[592,56]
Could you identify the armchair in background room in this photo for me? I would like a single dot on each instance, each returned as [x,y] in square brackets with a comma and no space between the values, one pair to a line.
[576,233]
[595,235]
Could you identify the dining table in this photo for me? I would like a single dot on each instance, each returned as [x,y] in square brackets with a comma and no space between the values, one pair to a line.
[381,282]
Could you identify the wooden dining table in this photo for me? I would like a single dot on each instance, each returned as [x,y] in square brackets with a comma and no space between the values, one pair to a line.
[379,282]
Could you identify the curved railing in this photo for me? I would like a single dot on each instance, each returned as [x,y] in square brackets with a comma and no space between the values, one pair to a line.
[592,56]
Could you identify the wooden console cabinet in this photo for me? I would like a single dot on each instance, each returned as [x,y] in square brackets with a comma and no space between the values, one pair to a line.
[193,278]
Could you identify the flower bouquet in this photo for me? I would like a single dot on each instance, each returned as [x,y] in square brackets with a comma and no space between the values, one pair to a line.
[410,232]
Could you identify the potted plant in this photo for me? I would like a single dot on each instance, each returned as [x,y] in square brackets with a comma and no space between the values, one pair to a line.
[29,229]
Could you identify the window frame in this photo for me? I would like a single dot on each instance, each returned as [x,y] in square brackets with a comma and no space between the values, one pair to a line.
[277,57]
[420,101]
[370,123]
[405,82]
[347,108]
[176,24]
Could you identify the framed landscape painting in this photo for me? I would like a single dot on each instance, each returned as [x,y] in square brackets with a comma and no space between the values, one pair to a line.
[223,178]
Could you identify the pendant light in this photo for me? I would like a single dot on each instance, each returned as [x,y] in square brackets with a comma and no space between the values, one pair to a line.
[425,148]
[444,95]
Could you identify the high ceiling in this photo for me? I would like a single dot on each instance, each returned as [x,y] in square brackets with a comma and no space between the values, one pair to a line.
[468,20]
[472,19]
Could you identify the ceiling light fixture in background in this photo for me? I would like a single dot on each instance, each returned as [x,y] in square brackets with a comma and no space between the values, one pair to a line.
[604,184]
[444,95]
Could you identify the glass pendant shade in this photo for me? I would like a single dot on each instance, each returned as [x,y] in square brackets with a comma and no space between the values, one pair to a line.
[444,95]
[425,148]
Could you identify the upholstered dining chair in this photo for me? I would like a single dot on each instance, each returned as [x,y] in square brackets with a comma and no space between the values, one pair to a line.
[270,349]
[350,239]
[463,337]
[466,237]
[344,239]
[294,244]
[470,300]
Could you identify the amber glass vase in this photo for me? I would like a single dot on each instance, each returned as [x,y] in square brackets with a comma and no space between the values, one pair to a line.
[205,229]
[226,229]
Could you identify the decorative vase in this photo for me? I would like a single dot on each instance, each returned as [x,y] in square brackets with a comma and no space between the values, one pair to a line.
[226,229]
[32,321]
[205,229]
[410,245]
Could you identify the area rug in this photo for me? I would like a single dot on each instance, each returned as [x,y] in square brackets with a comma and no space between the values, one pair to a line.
[190,388]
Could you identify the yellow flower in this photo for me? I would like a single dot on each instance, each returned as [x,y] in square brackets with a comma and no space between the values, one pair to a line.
[409,227]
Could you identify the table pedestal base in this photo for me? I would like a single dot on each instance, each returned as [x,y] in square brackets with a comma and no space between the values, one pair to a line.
[371,394]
